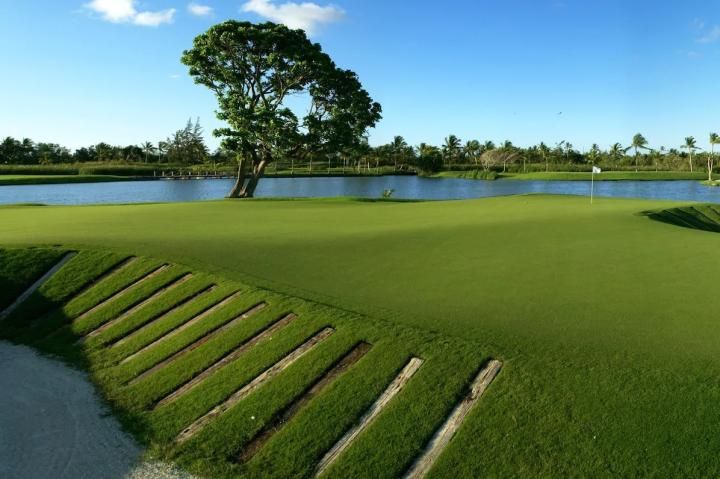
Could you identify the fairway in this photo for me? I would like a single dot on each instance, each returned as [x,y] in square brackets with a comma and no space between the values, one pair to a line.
[604,321]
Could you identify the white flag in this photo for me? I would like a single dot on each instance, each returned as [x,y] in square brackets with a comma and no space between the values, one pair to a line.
[596,169]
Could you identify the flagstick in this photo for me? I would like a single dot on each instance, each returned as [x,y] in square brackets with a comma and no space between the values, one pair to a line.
[592,185]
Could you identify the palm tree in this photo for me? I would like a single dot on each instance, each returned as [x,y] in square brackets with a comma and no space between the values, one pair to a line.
[616,151]
[148,148]
[162,149]
[714,139]
[472,151]
[594,153]
[398,147]
[451,147]
[488,146]
[690,145]
[545,152]
[638,143]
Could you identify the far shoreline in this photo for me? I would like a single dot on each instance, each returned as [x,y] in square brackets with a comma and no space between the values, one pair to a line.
[50,179]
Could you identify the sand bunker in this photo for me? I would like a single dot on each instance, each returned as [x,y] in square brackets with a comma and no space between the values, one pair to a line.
[52,424]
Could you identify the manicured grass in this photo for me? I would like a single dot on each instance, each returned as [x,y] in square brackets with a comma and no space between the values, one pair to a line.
[605,321]
[608,176]
[7,180]
[19,268]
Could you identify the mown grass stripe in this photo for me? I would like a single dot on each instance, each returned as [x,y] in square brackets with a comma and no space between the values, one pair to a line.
[115,270]
[367,419]
[37,284]
[134,309]
[208,336]
[345,363]
[141,329]
[175,331]
[255,384]
[263,335]
[446,432]
[152,274]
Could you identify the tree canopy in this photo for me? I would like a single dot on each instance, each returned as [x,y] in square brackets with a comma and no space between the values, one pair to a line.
[253,69]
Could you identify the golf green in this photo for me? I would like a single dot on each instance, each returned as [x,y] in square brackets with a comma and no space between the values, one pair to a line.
[605,320]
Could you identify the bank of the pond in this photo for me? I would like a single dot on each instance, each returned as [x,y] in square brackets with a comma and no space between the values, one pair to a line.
[46,179]
[578,175]
[10,180]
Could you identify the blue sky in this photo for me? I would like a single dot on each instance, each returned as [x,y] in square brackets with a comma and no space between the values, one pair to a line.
[80,71]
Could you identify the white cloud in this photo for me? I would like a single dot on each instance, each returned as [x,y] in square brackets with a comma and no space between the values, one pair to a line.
[125,11]
[307,15]
[153,19]
[114,10]
[200,10]
[712,36]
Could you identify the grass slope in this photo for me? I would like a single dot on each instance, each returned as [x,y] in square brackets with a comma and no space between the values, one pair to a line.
[21,268]
[605,320]
[393,441]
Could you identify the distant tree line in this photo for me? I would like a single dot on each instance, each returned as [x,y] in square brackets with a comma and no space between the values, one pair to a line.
[187,147]
[473,154]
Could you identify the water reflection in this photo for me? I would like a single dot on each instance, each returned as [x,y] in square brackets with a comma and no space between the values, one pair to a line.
[408,187]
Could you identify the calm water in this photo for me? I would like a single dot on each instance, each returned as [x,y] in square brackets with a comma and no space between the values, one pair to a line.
[410,187]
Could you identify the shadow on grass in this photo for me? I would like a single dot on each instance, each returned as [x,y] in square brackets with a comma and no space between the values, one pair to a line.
[704,217]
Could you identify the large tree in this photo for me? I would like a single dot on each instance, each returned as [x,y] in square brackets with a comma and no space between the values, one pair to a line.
[253,69]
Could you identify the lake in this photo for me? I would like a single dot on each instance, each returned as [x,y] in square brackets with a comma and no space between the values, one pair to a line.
[407,187]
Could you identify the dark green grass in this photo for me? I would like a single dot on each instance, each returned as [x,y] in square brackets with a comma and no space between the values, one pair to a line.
[52,319]
[76,274]
[159,306]
[700,217]
[161,327]
[20,268]
[605,320]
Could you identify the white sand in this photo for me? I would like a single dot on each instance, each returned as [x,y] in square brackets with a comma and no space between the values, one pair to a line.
[52,424]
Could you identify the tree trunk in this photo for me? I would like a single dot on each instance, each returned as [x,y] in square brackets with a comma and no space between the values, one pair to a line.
[711,160]
[691,162]
[258,171]
[636,160]
[236,191]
